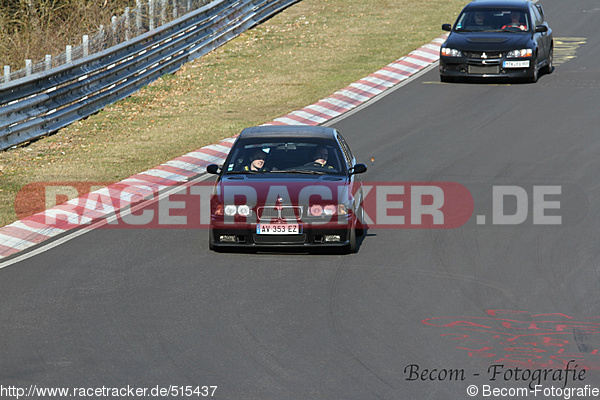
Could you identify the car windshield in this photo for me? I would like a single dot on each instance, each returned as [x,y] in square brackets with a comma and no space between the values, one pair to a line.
[493,20]
[293,156]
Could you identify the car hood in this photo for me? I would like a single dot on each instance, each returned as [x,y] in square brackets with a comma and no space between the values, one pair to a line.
[290,189]
[492,41]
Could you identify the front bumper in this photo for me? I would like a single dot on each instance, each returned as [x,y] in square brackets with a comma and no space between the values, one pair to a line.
[250,239]
[245,235]
[463,67]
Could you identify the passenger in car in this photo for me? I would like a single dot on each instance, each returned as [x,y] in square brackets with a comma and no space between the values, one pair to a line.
[481,22]
[257,162]
[479,18]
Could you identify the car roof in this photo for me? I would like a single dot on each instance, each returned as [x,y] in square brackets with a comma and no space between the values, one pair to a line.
[285,131]
[499,3]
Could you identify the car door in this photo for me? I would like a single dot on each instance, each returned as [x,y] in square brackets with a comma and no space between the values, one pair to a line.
[548,35]
[543,39]
[354,181]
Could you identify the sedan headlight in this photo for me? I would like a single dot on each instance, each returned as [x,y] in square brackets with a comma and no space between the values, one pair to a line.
[244,210]
[316,210]
[519,53]
[329,209]
[448,52]
[230,210]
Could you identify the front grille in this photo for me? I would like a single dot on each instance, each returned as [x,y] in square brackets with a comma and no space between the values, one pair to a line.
[292,213]
[476,69]
[480,54]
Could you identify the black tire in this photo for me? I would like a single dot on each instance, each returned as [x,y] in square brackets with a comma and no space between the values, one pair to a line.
[211,245]
[550,65]
[446,79]
[359,223]
[352,243]
[533,78]
[210,240]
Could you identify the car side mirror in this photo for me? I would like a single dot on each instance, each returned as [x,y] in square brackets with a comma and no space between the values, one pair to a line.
[447,27]
[212,169]
[358,169]
[541,28]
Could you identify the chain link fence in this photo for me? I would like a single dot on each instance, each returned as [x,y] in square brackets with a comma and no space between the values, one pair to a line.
[146,16]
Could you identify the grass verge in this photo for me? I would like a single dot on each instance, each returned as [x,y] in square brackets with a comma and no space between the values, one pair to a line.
[296,58]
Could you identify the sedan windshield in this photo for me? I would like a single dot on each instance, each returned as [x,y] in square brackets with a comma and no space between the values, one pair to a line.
[493,20]
[296,156]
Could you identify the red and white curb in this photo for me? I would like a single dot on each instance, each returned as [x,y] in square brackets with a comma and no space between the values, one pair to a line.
[365,89]
[33,230]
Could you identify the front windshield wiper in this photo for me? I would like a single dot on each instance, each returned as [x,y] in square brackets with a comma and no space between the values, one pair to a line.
[299,171]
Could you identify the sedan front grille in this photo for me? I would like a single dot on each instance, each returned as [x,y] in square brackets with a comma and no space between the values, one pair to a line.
[291,213]
[476,69]
[482,55]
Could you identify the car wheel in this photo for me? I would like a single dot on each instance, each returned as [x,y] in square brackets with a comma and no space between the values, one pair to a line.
[352,244]
[360,221]
[536,71]
[550,66]
[446,79]
[211,245]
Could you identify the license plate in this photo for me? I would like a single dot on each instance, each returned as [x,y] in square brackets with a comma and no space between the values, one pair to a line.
[516,64]
[278,229]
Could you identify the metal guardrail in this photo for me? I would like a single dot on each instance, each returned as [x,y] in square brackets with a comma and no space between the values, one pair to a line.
[43,103]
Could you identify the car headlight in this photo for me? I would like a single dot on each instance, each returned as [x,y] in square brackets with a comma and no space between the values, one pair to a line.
[519,53]
[244,210]
[317,210]
[230,210]
[448,52]
[329,209]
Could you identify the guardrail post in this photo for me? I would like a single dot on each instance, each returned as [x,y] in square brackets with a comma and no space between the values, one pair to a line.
[113,25]
[28,67]
[6,73]
[163,12]
[127,24]
[138,16]
[151,14]
[85,44]
[101,38]
[175,11]
[189,5]
[48,62]
[69,53]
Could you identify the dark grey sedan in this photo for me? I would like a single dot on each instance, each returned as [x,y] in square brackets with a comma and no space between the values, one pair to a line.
[498,39]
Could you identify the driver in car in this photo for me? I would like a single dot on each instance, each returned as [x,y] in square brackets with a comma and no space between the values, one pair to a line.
[515,21]
[257,163]
[320,157]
